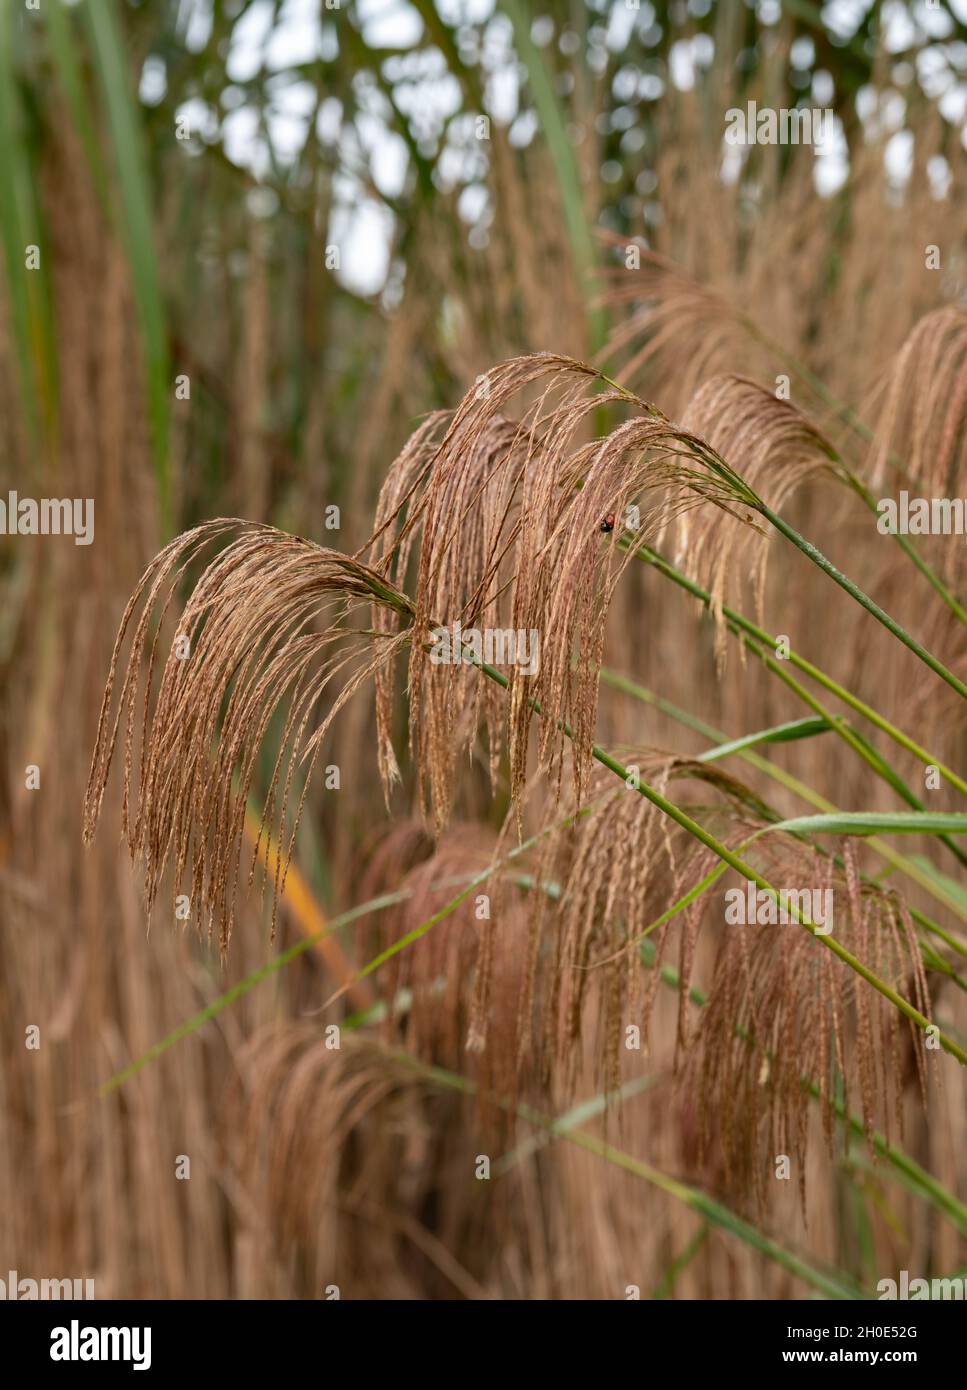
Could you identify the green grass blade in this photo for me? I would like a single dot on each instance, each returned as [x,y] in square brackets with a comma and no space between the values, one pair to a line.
[554,124]
[264,972]
[20,227]
[666,1287]
[949,886]
[781,733]
[572,1119]
[863,599]
[877,823]
[64,50]
[832,1285]
[137,222]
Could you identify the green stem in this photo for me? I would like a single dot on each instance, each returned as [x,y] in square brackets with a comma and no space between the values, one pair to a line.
[909,549]
[212,1010]
[852,738]
[743,624]
[864,600]
[561,149]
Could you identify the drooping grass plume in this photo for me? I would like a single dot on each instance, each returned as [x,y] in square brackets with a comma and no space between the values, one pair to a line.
[921,407]
[517,512]
[777,448]
[358,1139]
[676,333]
[464,979]
[481,491]
[690,332]
[502,523]
[509,520]
[266,623]
[778,1011]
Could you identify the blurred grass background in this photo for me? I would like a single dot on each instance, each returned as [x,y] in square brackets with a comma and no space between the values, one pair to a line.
[272,235]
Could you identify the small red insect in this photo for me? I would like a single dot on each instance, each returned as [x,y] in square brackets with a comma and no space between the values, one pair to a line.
[608,522]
